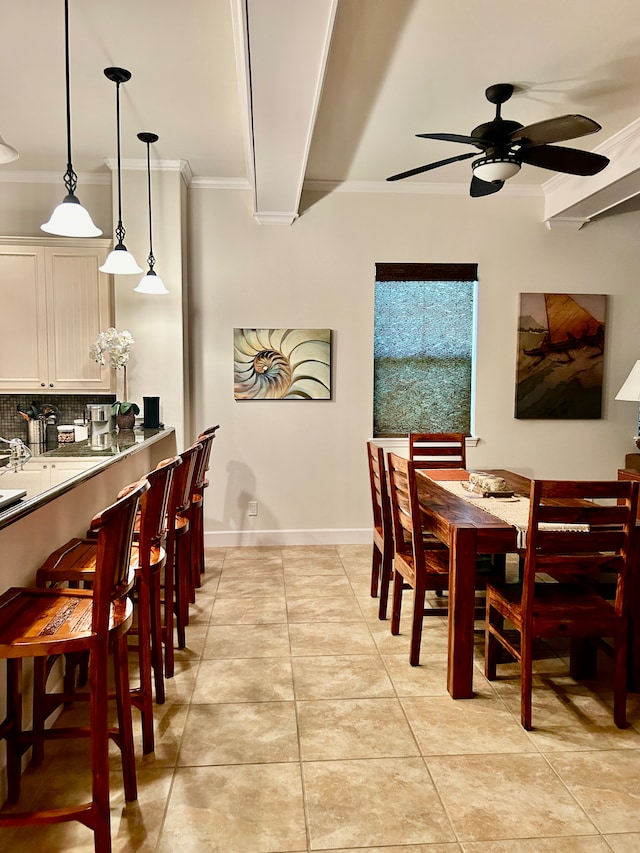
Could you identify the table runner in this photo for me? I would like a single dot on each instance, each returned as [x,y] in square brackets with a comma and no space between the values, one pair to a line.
[514,511]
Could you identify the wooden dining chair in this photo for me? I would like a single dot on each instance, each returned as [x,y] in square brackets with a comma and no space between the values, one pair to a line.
[574,536]
[382,555]
[37,622]
[420,560]
[415,566]
[438,449]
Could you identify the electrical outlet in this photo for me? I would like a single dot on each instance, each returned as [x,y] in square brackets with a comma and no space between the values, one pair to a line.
[253,507]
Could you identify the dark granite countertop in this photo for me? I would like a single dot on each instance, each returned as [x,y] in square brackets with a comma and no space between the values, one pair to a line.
[120,445]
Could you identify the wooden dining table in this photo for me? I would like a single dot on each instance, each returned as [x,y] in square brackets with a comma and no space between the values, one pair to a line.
[468,531]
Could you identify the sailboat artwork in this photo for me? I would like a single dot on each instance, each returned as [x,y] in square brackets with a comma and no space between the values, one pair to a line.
[561,339]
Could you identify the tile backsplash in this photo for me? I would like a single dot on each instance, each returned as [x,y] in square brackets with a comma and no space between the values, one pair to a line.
[69,406]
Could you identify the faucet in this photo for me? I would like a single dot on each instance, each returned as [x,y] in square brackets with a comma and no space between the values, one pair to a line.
[19,454]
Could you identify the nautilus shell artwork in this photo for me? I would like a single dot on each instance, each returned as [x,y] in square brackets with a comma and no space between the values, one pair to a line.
[282,364]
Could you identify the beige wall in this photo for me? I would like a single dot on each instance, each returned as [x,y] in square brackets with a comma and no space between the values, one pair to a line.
[305,462]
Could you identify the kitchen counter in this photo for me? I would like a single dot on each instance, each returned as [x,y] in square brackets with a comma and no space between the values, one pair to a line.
[121,447]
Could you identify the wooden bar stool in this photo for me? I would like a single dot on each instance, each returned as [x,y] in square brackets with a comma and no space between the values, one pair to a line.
[196,512]
[148,558]
[179,548]
[36,623]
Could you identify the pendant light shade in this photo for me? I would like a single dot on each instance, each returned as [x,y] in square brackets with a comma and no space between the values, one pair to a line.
[70,219]
[119,261]
[7,152]
[151,283]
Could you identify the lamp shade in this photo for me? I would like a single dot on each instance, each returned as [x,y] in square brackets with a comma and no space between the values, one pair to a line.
[491,169]
[70,219]
[631,387]
[120,262]
[152,284]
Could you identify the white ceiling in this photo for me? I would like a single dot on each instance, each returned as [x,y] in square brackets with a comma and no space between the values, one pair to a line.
[277,92]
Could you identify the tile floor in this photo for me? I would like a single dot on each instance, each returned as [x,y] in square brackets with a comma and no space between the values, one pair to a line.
[295,723]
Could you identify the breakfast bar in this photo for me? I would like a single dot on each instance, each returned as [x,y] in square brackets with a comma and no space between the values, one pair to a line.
[30,528]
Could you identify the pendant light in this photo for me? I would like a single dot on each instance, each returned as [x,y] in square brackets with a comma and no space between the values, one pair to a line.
[151,282]
[7,152]
[119,261]
[70,219]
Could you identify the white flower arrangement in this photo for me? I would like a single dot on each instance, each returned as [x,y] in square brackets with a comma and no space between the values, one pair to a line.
[116,346]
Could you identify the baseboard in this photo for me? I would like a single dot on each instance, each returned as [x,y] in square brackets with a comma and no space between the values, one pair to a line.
[236,538]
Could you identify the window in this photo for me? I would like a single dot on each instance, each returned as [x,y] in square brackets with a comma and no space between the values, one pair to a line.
[424,340]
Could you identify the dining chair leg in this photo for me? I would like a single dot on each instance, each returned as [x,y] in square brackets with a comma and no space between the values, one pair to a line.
[416,624]
[398,586]
[376,563]
[492,646]
[526,677]
[386,574]
[620,679]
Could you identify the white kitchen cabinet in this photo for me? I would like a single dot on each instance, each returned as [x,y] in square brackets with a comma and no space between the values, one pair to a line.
[37,476]
[54,302]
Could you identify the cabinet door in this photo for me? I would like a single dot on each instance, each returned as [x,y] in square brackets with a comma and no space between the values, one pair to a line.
[78,307]
[23,321]
[34,477]
[64,469]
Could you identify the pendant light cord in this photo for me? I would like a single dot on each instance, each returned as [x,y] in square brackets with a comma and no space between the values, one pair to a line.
[151,259]
[120,232]
[70,178]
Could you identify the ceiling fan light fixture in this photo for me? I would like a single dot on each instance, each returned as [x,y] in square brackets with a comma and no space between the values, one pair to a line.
[495,169]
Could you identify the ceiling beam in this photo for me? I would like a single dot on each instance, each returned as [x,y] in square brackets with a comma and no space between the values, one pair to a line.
[281,56]
[570,201]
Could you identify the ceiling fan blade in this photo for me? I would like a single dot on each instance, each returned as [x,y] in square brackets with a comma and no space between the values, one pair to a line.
[479,188]
[554,130]
[572,161]
[456,137]
[420,169]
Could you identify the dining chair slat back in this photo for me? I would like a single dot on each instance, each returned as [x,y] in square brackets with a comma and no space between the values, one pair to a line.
[382,556]
[580,533]
[438,450]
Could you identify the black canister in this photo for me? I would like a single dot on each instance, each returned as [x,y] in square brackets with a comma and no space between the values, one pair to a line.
[151,412]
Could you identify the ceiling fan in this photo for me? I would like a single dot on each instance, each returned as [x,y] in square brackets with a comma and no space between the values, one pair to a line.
[506,145]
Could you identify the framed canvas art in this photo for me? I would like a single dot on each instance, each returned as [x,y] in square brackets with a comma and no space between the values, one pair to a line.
[282,364]
[561,339]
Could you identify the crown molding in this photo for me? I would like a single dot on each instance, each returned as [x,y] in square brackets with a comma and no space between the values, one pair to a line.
[201,183]
[140,165]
